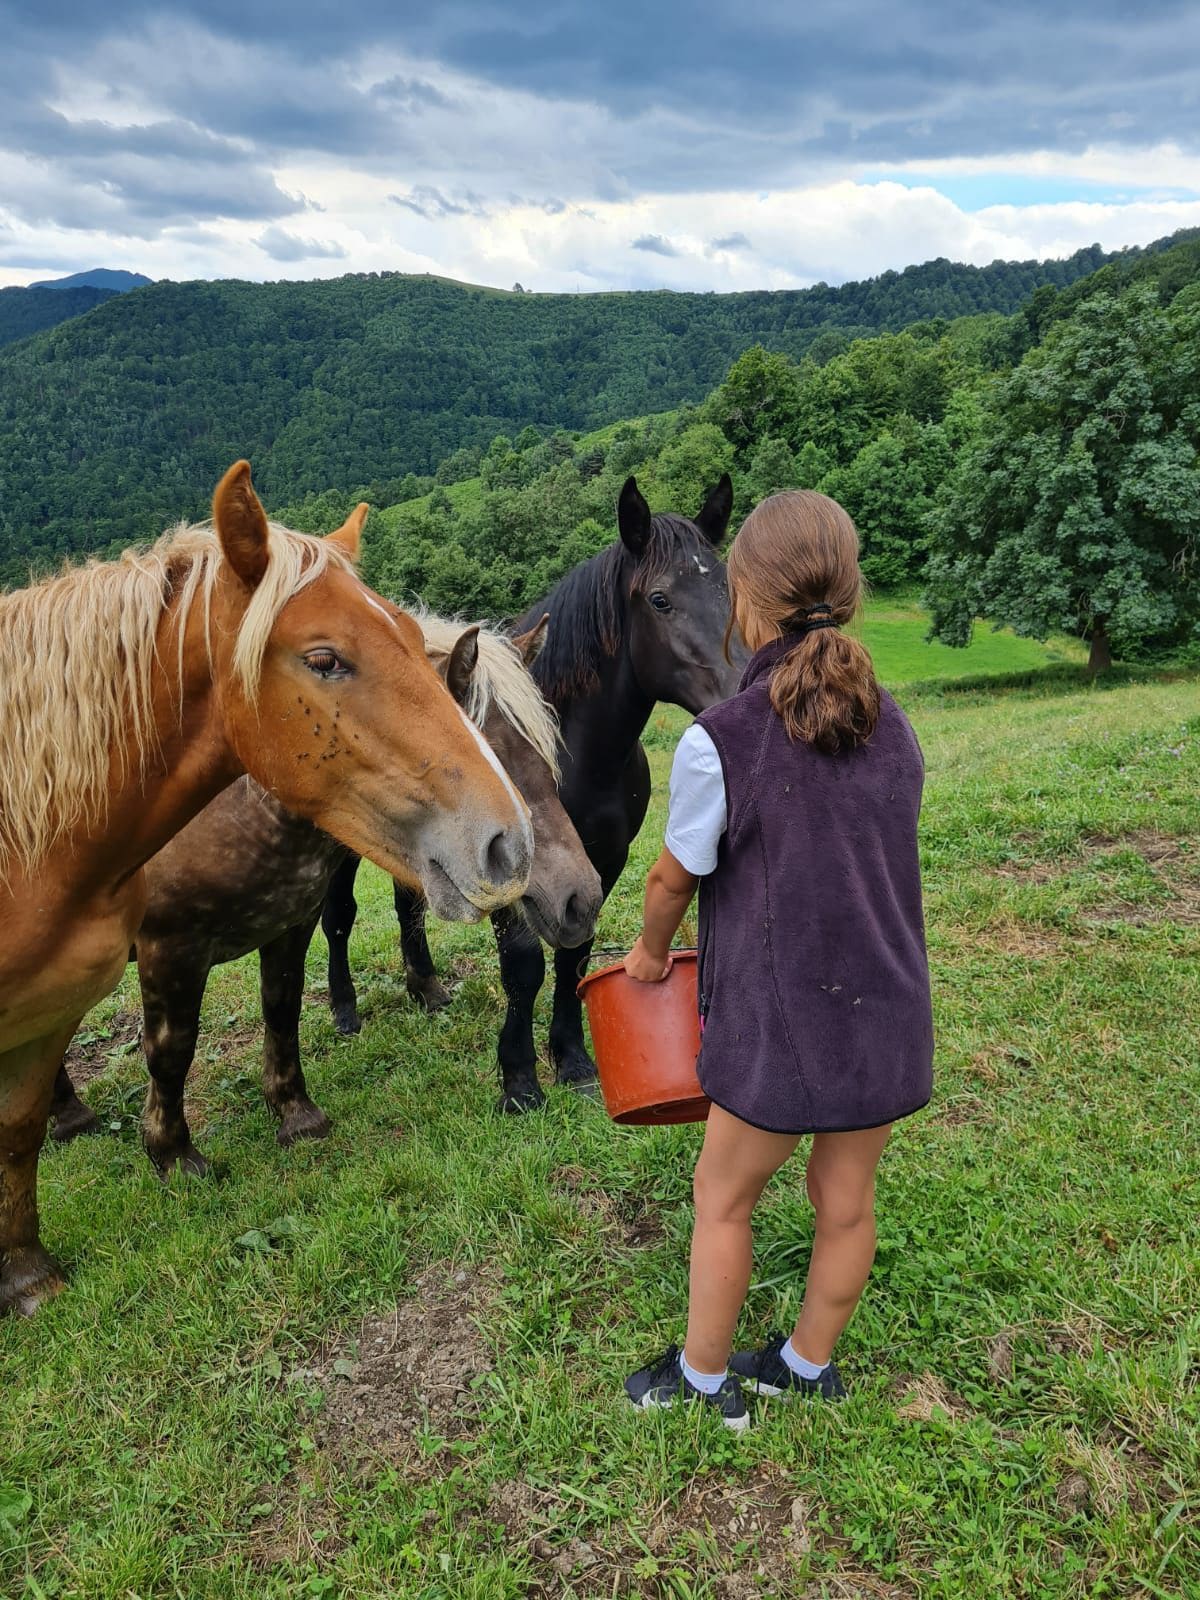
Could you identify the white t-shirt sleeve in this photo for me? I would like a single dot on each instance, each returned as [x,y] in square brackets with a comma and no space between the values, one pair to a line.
[696,818]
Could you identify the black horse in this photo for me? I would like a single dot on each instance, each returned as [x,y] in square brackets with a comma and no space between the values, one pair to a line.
[643,621]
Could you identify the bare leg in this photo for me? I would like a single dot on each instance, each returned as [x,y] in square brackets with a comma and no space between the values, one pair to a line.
[28,1275]
[841,1186]
[337,921]
[420,975]
[281,971]
[735,1165]
[71,1116]
[172,990]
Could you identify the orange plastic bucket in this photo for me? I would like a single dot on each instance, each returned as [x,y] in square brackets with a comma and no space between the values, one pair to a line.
[646,1037]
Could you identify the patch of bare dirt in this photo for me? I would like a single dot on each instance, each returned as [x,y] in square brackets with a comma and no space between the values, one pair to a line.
[94,1048]
[1000,1356]
[1073,1495]
[961,1109]
[1174,863]
[743,1536]
[406,1372]
[920,1396]
[1015,938]
[1080,1337]
[293,1526]
[627,1215]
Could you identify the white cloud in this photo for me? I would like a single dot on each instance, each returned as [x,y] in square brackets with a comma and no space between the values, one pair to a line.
[208,144]
[829,232]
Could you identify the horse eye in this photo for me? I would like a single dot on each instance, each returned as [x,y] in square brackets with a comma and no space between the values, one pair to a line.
[659,601]
[326,664]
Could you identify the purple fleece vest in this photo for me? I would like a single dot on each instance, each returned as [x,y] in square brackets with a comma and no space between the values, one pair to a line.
[814,983]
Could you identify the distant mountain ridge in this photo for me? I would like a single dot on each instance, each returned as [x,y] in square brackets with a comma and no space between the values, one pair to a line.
[38,306]
[97,278]
[24,312]
[115,424]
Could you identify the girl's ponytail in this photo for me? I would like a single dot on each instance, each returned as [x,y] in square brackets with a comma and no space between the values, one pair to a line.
[826,692]
[794,567]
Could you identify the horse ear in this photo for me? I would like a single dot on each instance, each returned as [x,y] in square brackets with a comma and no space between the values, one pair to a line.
[633,519]
[349,536]
[460,664]
[241,525]
[713,516]
[530,644]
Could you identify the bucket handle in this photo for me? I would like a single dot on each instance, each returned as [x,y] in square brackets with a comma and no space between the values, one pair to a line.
[606,952]
[612,952]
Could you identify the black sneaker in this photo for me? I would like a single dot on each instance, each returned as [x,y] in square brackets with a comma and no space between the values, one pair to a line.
[663,1382]
[766,1372]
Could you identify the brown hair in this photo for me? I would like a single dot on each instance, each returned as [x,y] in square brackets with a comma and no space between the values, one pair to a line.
[797,551]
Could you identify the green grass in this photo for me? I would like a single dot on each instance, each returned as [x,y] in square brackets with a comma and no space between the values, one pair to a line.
[1025,1418]
[894,628]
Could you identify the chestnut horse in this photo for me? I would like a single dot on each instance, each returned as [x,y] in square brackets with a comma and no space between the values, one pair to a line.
[133,693]
[246,875]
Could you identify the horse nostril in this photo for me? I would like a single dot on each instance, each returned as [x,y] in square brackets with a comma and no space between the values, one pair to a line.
[579,915]
[503,858]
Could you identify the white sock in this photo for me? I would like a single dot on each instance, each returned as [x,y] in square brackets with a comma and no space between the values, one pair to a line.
[802,1368]
[706,1382]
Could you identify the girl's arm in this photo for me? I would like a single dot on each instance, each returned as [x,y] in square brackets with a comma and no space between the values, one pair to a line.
[669,891]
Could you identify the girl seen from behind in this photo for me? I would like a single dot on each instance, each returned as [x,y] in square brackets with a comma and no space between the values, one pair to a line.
[794,809]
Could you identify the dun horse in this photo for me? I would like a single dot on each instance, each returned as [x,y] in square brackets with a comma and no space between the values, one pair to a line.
[133,693]
[246,875]
[641,622]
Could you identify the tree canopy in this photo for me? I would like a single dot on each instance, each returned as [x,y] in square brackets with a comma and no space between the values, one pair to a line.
[117,423]
[1075,507]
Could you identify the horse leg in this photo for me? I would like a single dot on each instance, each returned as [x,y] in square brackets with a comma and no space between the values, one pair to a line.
[70,1116]
[420,975]
[172,991]
[522,971]
[337,919]
[281,972]
[572,1063]
[28,1274]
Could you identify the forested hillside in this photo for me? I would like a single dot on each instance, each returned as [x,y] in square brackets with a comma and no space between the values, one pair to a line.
[1039,470]
[117,423]
[24,312]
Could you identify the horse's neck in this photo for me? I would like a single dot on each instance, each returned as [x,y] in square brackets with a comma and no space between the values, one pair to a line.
[189,763]
[601,730]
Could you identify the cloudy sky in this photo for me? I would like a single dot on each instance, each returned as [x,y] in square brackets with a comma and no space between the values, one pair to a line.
[616,144]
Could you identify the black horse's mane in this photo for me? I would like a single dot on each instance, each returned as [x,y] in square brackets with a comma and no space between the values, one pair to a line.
[588,608]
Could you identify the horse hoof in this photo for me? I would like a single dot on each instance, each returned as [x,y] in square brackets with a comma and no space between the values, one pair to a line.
[588,1088]
[303,1122]
[347,1020]
[188,1161]
[519,1099]
[28,1279]
[577,1072]
[429,993]
[72,1123]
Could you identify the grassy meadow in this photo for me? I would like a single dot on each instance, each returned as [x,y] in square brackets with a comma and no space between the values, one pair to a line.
[255,1384]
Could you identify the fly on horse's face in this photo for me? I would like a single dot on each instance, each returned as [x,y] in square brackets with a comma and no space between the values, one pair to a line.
[679,606]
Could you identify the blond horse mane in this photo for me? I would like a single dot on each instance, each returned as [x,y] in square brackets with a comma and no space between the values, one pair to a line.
[79,665]
[501,679]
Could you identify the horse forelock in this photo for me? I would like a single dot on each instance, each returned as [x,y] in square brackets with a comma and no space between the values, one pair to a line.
[80,664]
[502,682]
[670,535]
